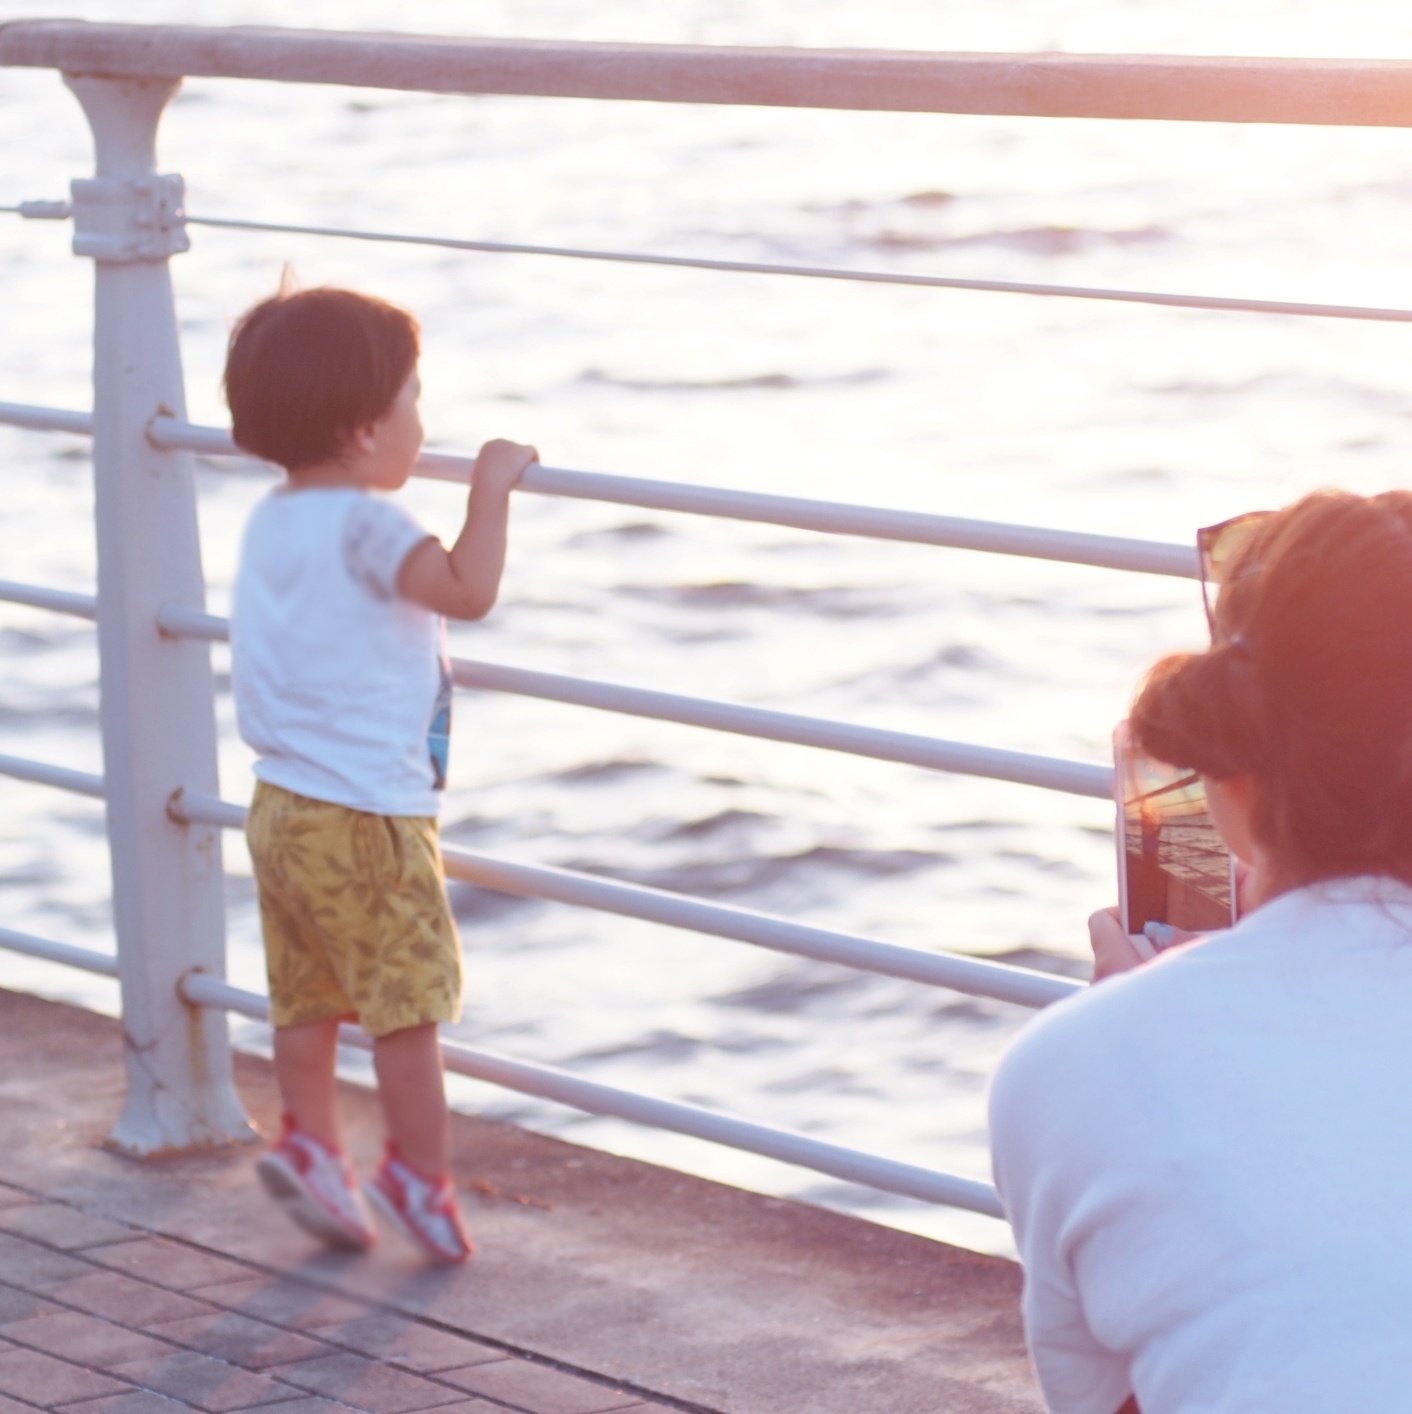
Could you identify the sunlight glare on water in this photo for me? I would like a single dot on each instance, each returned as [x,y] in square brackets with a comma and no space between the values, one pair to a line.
[1132,421]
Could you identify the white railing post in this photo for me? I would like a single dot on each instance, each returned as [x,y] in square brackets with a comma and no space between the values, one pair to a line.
[158,712]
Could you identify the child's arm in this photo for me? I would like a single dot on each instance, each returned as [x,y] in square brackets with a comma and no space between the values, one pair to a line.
[462,582]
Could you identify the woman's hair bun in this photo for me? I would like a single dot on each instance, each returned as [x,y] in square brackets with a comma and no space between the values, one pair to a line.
[1202,711]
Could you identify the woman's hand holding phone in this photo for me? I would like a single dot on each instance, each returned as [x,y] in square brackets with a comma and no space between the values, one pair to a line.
[1113,950]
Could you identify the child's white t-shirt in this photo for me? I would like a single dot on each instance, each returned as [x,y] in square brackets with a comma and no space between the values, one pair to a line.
[341,686]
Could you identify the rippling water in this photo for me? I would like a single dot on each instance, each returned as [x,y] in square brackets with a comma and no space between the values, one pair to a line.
[1128,420]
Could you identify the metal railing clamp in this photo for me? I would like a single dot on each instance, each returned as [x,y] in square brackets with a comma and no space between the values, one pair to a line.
[120,220]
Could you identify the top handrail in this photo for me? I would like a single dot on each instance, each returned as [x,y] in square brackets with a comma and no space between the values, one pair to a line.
[1337,92]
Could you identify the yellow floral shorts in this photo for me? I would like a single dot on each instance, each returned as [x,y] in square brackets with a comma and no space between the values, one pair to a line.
[355,915]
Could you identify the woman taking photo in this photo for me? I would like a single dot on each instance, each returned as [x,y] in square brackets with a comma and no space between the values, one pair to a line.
[1207,1159]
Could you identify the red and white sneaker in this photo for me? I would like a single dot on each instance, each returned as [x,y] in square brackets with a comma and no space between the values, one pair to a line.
[423,1210]
[315,1186]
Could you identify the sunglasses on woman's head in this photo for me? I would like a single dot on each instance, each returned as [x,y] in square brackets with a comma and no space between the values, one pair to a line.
[1220,548]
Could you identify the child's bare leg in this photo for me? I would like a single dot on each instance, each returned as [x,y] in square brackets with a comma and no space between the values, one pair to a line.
[304,1069]
[413,1095]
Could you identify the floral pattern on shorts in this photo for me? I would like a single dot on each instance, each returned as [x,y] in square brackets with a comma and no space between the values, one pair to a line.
[355,914]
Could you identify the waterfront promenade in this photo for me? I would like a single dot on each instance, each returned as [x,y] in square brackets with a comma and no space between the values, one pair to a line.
[599,1284]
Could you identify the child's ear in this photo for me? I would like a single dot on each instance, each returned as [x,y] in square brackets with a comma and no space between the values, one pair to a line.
[364,439]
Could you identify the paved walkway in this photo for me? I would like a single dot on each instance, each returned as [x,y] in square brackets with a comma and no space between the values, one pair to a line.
[599,1284]
[100,1317]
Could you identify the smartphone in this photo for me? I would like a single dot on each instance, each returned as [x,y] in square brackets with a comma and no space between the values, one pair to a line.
[1174,870]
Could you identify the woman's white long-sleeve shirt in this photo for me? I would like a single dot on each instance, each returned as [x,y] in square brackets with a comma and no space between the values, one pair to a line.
[1208,1166]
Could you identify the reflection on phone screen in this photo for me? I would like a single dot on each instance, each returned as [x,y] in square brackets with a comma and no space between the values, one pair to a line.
[1177,869]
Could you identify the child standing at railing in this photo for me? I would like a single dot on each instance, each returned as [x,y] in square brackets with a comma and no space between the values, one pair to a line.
[343,689]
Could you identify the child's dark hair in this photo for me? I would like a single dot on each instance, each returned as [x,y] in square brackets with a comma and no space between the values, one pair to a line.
[305,370]
[1307,686]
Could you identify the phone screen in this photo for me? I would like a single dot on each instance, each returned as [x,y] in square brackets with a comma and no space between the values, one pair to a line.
[1174,867]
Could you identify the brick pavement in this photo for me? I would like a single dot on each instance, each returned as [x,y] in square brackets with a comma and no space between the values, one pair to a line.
[599,1284]
[100,1317]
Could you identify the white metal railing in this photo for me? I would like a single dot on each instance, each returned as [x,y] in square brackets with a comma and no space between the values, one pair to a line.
[908,748]
[60,777]
[975,976]
[159,784]
[59,601]
[83,959]
[797,512]
[593,1097]
[954,971]
[1335,92]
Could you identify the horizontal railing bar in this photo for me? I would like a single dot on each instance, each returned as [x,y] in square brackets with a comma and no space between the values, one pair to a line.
[177,621]
[829,517]
[876,523]
[172,434]
[61,601]
[205,989]
[83,958]
[801,513]
[593,1097]
[194,807]
[908,748]
[43,419]
[1357,92]
[1160,298]
[62,777]
[766,724]
[974,976]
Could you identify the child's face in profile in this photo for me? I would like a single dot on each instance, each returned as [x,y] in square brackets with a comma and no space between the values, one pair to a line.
[394,442]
